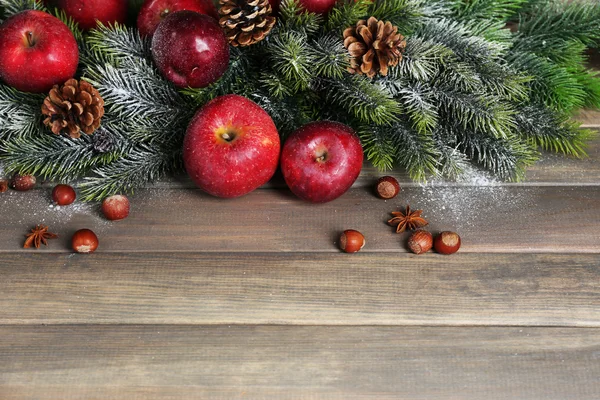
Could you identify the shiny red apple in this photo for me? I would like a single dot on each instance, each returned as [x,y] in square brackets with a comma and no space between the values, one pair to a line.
[321,160]
[274,5]
[318,6]
[231,147]
[190,49]
[153,11]
[88,12]
[37,51]
[313,6]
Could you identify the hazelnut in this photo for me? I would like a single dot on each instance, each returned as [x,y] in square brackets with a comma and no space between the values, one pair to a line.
[387,187]
[420,242]
[23,183]
[352,241]
[447,242]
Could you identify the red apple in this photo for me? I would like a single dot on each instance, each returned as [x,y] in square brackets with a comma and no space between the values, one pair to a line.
[318,6]
[231,147]
[87,12]
[321,160]
[37,51]
[190,49]
[274,5]
[153,11]
[313,6]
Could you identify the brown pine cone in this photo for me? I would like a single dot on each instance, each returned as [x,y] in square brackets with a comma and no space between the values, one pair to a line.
[73,107]
[246,22]
[373,46]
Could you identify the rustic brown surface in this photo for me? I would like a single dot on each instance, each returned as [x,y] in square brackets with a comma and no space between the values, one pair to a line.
[197,298]
[250,362]
[301,289]
[489,218]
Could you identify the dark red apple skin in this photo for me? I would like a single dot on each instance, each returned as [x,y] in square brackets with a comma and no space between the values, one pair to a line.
[87,12]
[49,58]
[153,11]
[318,6]
[231,168]
[190,49]
[313,6]
[321,160]
[275,5]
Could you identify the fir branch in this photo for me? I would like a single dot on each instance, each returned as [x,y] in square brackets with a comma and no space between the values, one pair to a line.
[590,81]
[20,113]
[458,37]
[405,14]
[398,144]
[452,162]
[416,99]
[552,131]
[487,10]
[556,22]
[143,164]
[136,91]
[378,147]
[422,59]
[114,44]
[507,158]
[51,157]
[12,7]
[416,153]
[474,111]
[292,58]
[288,113]
[293,17]
[436,8]
[275,86]
[553,85]
[369,102]
[331,57]
[347,13]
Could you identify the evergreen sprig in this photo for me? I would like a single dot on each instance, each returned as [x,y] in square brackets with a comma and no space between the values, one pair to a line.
[468,90]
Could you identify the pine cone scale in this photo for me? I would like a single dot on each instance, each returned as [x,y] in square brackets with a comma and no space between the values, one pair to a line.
[246,22]
[73,107]
[373,46]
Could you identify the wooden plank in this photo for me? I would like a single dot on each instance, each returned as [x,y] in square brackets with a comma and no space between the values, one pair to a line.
[249,362]
[588,118]
[556,170]
[489,219]
[302,289]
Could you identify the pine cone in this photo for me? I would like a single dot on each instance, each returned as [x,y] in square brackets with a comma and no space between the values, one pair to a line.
[373,46]
[246,22]
[73,107]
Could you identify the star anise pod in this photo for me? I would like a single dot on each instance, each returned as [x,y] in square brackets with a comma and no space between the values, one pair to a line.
[39,235]
[409,219]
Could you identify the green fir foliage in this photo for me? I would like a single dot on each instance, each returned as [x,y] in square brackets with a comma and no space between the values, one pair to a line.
[468,90]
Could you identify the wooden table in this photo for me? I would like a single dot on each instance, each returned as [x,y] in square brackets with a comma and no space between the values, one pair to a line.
[193,297]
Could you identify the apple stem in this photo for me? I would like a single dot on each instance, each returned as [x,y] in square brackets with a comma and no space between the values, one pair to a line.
[226,137]
[30,40]
[322,158]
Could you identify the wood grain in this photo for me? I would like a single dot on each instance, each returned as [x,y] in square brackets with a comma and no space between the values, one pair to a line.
[249,362]
[339,289]
[588,118]
[488,218]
